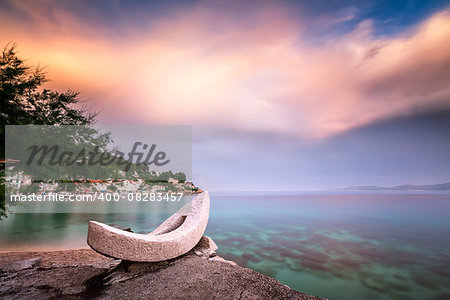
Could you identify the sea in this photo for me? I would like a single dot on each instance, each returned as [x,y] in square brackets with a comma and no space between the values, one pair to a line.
[337,245]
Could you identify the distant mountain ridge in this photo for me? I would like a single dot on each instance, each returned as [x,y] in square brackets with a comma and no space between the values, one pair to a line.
[405,187]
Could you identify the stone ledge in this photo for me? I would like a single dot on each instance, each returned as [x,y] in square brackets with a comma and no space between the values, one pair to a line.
[81,274]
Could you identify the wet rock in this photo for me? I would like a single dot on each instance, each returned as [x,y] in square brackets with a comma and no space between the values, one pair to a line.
[399,287]
[289,253]
[239,241]
[341,273]
[294,266]
[186,277]
[314,256]
[441,271]
[347,263]
[375,283]
[313,265]
[21,265]
[239,260]
[42,283]
[250,257]
[424,282]
[260,253]
[65,258]
[266,270]
[399,277]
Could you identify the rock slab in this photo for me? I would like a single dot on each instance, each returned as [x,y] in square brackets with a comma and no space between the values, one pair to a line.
[83,274]
[19,265]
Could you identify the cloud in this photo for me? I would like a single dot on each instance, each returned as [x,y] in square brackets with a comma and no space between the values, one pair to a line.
[210,67]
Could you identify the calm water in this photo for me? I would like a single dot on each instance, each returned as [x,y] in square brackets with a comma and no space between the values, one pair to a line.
[355,246]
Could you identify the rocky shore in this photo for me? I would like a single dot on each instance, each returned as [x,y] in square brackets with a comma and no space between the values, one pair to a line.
[84,274]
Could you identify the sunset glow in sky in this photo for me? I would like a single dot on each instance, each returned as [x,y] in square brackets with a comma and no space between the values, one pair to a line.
[281,95]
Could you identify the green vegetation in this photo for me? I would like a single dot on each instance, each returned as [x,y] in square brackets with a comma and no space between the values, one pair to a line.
[24,102]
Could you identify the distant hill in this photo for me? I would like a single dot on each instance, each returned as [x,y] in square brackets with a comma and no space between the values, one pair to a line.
[405,187]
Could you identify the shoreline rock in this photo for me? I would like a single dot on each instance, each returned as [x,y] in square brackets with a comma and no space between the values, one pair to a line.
[81,274]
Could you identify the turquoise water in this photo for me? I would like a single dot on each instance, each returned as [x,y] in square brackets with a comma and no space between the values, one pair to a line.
[356,246]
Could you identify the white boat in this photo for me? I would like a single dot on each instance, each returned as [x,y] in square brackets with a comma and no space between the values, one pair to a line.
[174,237]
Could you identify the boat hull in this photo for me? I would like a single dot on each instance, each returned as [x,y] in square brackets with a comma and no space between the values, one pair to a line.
[174,237]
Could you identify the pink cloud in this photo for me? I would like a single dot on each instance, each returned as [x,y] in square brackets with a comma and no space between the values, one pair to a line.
[204,67]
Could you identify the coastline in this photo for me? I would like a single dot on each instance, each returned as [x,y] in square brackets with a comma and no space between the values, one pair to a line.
[83,273]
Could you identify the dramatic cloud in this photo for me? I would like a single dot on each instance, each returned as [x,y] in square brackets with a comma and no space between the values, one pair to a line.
[212,67]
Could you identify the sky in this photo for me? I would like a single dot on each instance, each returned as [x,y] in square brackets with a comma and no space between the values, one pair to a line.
[281,95]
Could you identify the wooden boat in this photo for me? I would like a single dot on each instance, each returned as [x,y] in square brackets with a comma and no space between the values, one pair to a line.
[174,237]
